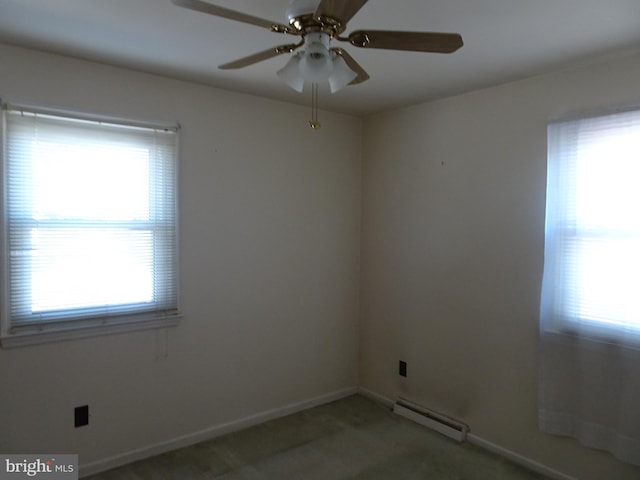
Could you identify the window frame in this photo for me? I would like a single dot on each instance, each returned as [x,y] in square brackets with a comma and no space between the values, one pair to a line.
[21,333]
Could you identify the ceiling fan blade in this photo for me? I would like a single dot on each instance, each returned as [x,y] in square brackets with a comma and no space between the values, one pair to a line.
[260,56]
[201,6]
[363,76]
[342,10]
[409,41]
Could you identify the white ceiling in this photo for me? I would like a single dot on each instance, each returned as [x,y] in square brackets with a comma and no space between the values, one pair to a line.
[504,40]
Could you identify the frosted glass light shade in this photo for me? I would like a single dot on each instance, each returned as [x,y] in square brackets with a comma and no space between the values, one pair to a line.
[317,64]
[342,75]
[290,74]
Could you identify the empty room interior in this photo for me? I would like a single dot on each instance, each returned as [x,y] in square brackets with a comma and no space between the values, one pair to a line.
[395,251]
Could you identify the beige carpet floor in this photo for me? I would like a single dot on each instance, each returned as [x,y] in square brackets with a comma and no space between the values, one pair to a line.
[353,438]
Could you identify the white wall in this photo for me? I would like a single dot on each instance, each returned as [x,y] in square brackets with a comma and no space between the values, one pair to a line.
[270,228]
[270,238]
[453,226]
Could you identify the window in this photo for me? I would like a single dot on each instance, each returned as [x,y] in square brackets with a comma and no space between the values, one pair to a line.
[590,308]
[90,240]
[592,251]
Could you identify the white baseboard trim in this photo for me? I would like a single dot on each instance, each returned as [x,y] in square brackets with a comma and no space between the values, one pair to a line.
[484,444]
[517,458]
[211,432]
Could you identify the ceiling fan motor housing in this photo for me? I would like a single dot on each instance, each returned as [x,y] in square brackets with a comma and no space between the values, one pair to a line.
[298,8]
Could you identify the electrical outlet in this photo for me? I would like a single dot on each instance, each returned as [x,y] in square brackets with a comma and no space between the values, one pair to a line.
[81,416]
[402,368]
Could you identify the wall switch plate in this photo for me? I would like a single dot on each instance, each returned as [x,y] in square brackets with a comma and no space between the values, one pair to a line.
[402,368]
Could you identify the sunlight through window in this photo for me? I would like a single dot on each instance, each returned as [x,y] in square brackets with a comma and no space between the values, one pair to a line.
[592,246]
[91,184]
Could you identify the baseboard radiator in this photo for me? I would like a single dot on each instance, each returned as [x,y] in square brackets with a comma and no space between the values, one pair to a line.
[439,422]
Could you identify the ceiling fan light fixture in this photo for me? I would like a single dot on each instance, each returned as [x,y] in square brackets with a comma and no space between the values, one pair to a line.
[342,75]
[319,22]
[317,64]
[290,73]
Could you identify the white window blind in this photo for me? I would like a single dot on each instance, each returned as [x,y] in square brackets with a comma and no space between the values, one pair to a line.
[90,217]
[592,246]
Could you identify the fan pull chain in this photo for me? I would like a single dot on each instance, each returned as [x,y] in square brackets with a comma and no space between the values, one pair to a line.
[314,107]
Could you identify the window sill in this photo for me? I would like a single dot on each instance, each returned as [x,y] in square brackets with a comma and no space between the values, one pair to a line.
[50,333]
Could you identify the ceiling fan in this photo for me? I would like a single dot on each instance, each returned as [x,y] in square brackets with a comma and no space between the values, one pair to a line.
[318,23]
